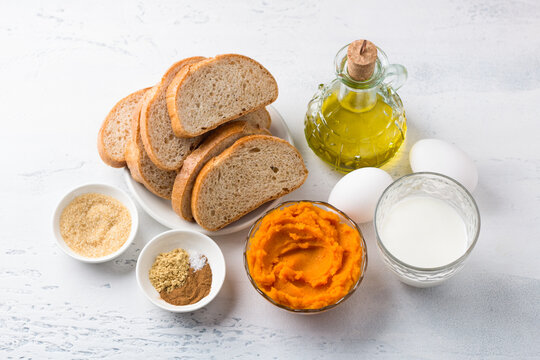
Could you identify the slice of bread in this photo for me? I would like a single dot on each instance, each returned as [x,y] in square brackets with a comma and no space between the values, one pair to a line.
[260,118]
[213,91]
[218,140]
[254,170]
[132,151]
[115,130]
[165,149]
[143,170]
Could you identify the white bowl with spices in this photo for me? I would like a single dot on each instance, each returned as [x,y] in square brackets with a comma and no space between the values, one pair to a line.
[201,249]
[95,223]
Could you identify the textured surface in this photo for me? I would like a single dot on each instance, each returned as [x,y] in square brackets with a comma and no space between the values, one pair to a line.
[476,84]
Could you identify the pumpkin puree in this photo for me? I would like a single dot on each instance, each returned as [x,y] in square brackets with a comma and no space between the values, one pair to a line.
[303,257]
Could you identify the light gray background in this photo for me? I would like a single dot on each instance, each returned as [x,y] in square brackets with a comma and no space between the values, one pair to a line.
[474,81]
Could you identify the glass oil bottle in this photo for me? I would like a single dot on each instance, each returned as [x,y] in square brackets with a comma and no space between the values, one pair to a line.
[358,120]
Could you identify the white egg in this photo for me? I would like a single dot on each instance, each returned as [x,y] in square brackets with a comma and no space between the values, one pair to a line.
[357,193]
[438,156]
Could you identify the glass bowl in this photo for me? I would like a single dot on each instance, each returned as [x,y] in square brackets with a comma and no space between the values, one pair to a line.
[344,219]
[441,187]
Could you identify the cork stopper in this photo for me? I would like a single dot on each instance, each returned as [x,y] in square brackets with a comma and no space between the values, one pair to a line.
[361,58]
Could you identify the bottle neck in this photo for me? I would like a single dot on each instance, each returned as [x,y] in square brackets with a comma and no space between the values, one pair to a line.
[357,100]
[359,96]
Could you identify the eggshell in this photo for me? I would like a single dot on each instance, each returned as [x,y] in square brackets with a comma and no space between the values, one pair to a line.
[357,193]
[441,157]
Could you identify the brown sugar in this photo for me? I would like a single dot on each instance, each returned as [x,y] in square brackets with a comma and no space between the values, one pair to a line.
[95,225]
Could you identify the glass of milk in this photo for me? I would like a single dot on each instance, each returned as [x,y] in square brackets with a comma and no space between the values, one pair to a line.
[427,225]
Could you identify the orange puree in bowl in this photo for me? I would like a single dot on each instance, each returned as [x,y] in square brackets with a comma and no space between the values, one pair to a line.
[303,257]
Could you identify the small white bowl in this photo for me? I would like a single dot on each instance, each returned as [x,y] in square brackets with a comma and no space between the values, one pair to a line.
[109,190]
[190,241]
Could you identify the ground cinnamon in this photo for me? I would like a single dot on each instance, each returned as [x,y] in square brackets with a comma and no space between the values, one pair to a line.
[196,286]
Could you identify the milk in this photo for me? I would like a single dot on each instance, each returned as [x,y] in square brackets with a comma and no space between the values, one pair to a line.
[423,231]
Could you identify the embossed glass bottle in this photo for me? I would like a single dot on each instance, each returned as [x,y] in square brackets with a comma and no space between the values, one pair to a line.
[352,124]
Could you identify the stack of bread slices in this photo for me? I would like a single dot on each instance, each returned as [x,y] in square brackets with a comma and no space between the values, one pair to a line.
[201,138]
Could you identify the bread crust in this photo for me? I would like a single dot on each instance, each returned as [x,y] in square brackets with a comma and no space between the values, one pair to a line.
[219,138]
[267,119]
[174,89]
[133,153]
[145,112]
[134,150]
[109,159]
[214,162]
[132,161]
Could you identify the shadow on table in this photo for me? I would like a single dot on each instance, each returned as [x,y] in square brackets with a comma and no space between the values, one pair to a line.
[212,315]
[127,262]
[399,165]
[123,264]
[368,311]
[474,312]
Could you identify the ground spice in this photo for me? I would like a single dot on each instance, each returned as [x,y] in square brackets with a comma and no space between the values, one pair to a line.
[95,225]
[169,270]
[196,287]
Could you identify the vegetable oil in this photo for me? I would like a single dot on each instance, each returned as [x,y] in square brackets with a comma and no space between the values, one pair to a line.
[354,123]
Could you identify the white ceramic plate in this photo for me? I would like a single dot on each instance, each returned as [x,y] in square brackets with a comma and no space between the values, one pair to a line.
[189,241]
[100,189]
[161,210]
